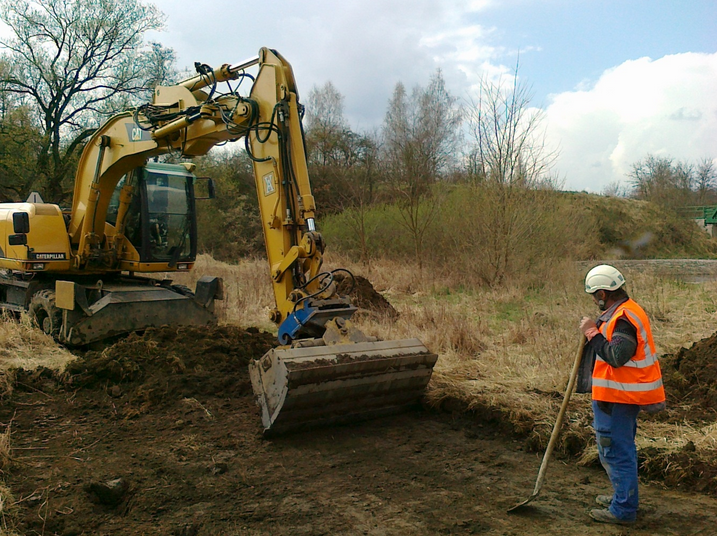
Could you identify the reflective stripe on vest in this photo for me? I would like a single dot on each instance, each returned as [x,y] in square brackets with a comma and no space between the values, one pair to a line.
[632,387]
[639,381]
[650,356]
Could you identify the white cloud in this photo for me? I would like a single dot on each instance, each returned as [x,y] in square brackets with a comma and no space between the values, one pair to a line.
[5,31]
[665,107]
[364,47]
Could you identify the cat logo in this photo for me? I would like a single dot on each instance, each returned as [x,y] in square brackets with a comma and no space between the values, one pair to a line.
[134,133]
[48,256]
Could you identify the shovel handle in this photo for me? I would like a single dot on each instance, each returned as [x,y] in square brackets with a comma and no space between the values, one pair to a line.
[561,416]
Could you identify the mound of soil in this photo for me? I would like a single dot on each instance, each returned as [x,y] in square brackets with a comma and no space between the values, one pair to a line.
[686,469]
[690,375]
[363,295]
[163,365]
[535,429]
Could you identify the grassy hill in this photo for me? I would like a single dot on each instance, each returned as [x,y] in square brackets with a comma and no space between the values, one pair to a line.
[491,235]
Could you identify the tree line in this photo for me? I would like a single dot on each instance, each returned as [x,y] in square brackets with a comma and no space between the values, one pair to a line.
[66,66]
[673,183]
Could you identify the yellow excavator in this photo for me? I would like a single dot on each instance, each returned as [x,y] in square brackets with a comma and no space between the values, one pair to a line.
[77,272]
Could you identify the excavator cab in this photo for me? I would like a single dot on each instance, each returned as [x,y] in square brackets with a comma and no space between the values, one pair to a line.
[160,223]
[159,226]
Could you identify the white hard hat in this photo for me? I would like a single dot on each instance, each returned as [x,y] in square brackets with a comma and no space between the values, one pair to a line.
[603,277]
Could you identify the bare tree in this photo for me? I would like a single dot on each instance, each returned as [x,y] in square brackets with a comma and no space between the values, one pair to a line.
[74,62]
[325,121]
[674,184]
[508,158]
[509,140]
[662,180]
[615,189]
[421,135]
[360,194]
[343,164]
[705,181]
[331,145]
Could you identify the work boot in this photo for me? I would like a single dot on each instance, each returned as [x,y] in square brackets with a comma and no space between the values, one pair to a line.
[606,516]
[604,500]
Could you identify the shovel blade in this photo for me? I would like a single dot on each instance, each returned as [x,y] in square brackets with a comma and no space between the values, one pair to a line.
[524,503]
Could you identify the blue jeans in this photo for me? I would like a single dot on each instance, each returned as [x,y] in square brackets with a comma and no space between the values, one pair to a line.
[615,434]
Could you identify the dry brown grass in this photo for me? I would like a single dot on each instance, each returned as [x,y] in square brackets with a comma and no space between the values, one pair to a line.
[7,500]
[7,511]
[248,296]
[21,346]
[505,352]
[5,450]
[24,346]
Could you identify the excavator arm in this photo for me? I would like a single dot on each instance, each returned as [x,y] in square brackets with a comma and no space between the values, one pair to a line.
[305,297]
[190,120]
[182,119]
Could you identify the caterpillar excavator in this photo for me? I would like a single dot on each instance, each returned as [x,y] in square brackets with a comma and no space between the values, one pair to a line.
[79,273]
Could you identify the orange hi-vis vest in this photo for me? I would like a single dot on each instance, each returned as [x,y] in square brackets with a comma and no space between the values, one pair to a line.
[639,381]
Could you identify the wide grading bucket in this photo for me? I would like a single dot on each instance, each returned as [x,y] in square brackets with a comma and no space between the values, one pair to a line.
[299,388]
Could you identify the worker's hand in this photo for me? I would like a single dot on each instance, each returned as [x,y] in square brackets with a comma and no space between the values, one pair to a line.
[588,327]
[586,323]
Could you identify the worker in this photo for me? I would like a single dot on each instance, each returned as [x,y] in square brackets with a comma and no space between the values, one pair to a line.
[626,379]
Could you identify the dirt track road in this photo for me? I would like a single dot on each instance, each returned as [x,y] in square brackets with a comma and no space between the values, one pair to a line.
[197,465]
[691,270]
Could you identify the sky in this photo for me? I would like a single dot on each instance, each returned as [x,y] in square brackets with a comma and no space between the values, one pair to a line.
[616,80]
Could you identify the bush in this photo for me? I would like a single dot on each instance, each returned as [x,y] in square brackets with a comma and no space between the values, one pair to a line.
[229,226]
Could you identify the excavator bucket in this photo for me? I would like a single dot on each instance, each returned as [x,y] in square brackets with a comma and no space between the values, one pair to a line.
[300,388]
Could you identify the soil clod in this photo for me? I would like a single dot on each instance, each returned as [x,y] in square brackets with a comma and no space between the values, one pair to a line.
[364,295]
[109,493]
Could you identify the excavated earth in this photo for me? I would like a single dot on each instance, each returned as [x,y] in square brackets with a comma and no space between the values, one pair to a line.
[159,434]
[364,296]
[691,375]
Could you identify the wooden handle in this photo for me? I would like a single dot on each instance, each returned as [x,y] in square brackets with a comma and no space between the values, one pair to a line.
[561,416]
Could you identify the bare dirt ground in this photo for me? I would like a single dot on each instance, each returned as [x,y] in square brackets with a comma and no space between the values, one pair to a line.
[171,413]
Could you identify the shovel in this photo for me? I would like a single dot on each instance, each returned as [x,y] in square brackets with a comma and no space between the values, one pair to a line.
[556,429]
